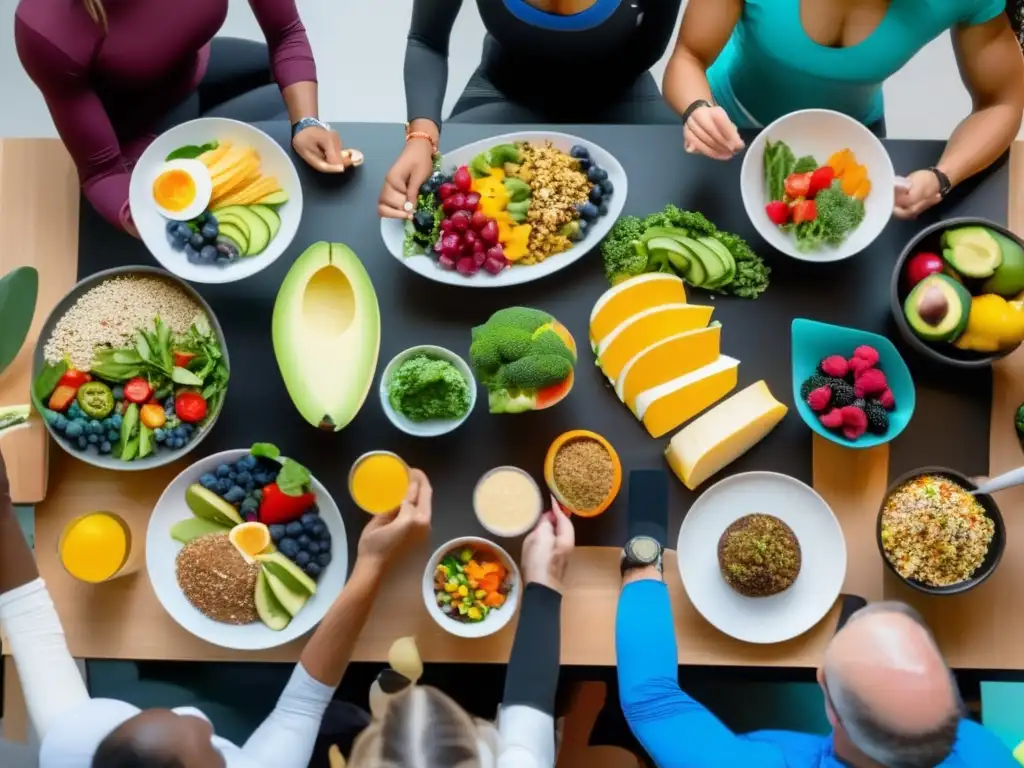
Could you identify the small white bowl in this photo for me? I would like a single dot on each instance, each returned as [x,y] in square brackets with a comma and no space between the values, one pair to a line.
[511,533]
[496,619]
[433,427]
[820,132]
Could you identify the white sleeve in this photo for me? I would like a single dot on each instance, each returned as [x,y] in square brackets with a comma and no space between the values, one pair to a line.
[527,738]
[50,679]
[288,735]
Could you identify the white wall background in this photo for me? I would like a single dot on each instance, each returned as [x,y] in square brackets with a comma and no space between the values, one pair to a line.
[359,47]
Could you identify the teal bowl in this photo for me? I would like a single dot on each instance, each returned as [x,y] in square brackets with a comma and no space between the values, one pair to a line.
[813,341]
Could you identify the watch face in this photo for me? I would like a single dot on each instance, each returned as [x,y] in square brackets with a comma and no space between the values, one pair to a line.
[644,549]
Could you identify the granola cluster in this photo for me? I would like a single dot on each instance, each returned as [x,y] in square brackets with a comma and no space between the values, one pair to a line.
[558,187]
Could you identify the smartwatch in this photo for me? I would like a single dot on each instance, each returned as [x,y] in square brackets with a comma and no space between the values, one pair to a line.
[945,185]
[640,552]
[308,122]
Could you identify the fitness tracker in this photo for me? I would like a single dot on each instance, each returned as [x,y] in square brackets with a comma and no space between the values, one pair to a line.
[307,122]
[693,108]
[640,552]
[945,185]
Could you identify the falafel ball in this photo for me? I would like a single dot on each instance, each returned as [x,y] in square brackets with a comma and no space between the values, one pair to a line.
[759,555]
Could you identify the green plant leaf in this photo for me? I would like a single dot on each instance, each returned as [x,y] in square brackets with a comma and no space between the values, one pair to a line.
[47,381]
[266,450]
[185,377]
[191,151]
[293,479]
[18,292]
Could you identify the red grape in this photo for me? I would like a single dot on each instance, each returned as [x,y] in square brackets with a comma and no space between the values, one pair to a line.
[470,238]
[446,226]
[478,221]
[458,200]
[460,221]
[489,232]
[493,265]
[451,245]
[472,202]
[462,179]
[444,262]
[449,205]
[466,266]
[446,190]
[496,252]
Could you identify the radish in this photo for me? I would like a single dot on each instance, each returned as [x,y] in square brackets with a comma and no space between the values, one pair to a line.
[445,263]
[460,221]
[466,266]
[451,246]
[494,266]
[472,202]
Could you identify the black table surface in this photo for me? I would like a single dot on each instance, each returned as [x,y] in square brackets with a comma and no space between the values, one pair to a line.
[950,426]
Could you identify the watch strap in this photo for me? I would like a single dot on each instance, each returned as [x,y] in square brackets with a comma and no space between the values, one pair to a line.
[945,185]
[694,106]
[648,504]
[628,563]
[307,122]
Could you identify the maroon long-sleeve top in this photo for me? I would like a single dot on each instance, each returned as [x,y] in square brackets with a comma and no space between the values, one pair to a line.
[105,89]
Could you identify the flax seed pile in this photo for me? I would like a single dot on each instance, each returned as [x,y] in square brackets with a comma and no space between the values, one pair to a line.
[584,472]
[215,578]
[557,186]
[109,314]
[759,555]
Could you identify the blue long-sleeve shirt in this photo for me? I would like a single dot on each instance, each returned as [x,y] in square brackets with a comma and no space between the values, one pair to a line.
[678,732]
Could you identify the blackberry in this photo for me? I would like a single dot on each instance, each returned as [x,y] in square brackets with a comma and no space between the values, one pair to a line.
[815,381]
[842,394]
[878,418]
[861,403]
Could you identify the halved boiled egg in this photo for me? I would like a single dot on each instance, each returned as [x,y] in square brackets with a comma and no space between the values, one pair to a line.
[182,189]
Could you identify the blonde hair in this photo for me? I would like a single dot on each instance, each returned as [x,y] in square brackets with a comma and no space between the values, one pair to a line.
[423,728]
[96,12]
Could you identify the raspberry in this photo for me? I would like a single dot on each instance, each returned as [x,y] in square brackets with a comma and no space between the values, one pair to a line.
[871,382]
[842,394]
[864,352]
[858,365]
[819,398]
[878,418]
[833,419]
[813,382]
[886,400]
[855,422]
[835,365]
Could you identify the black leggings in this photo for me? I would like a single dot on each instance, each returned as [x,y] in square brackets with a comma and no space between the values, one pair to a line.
[237,85]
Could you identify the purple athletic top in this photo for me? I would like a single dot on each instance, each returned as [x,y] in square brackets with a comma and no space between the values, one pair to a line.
[105,90]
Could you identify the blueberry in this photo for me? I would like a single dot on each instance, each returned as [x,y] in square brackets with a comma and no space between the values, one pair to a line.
[313,569]
[243,477]
[248,461]
[116,420]
[249,506]
[171,227]
[579,151]
[223,484]
[113,435]
[584,226]
[180,433]
[304,541]
[191,254]
[313,547]
[584,163]
[208,254]
[92,439]
[309,519]
[257,494]
[325,539]
[588,211]
[606,187]
[208,480]
[59,422]
[74,429]
[276,533]
[184,231]
[261,478]
[249,487]
[303,559]
[423,221]
[82,443]
[210,230]
[602,209]
[105,447]
[223,470]
[596,174]
[294,528]
[169,404]
[288,547]
[74,410]
[324,559]
[173,241]
[234,494]
[317,528]
[118,393]
[596,196]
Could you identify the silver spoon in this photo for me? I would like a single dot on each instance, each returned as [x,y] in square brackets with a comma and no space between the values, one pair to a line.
[1001,483]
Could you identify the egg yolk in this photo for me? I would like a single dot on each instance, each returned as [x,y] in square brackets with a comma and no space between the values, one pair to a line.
[174,190]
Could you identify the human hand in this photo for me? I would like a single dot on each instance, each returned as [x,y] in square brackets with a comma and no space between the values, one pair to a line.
[321,149]
[385,535]
[402,184]
[710,132]
[546,550]
[916,194]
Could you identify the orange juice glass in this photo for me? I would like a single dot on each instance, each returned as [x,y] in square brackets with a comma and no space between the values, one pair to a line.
[95,547]
[378,482]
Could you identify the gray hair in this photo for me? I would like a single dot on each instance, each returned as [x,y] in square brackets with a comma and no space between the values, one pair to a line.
[880,740]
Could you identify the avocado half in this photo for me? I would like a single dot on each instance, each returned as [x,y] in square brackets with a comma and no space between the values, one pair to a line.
[972,251]
[937,308]
[1008,279]
[326,333]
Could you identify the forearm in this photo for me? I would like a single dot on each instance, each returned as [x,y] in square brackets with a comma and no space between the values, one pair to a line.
[979,140]
[302,100]
[17,565]
[532,677]
[685,80]
[426,78]
[328,652]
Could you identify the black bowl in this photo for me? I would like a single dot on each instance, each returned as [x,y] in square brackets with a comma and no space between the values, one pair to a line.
[943,352]
[995,548]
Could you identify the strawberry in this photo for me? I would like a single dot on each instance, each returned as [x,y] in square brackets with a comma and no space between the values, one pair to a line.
[278,508]
[798,184]
[821,179]
[778,212]
[804,210]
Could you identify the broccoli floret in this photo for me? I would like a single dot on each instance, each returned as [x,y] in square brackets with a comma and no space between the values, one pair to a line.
[838,213]
[623,254]
[547,342]
[534,372]
[1018,421]
[524,318]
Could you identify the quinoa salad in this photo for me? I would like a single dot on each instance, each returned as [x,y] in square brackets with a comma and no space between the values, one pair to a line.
[935,532]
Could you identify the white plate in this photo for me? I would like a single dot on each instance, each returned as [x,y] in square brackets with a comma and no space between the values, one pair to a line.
[820,132]
[274,161]
[161,551]
[822,549]
[392,231]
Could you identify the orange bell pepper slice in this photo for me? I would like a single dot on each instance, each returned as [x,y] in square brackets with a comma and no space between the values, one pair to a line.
[494,600]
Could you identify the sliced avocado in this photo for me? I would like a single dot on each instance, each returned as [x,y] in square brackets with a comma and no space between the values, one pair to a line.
[274,198]
[723,253]
[269,216]
[479,166]
[274,615]
[205,503]
[498,155]
[670,249]
[696,274]
[145,441]
[235,235]
[971,251]
[1008,279]
[129,423]
[517,189]
[194,527]
[937,308]
[259,230]
[653,232]
[287,571]
[290,597]
[714,267]
[518,210]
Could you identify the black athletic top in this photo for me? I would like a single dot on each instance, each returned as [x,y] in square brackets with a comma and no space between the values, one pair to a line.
[532,676]
[536,57]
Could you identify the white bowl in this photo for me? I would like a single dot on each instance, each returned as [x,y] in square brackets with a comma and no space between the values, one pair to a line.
[274,161]
[161,551]
[433,427]
[509,533]
[496,619]
[820,132]
[392,231]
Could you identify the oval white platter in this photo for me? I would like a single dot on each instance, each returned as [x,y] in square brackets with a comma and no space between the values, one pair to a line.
[393,230]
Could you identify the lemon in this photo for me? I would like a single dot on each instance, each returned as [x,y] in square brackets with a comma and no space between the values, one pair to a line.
[250,539]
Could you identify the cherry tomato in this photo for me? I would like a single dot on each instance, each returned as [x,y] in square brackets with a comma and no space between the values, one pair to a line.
[153,416]
[182,359]
[137,390]
[798,184]
[190,407]
[74,379]
[805,210]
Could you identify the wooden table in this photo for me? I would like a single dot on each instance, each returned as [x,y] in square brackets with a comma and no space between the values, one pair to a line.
[123,620]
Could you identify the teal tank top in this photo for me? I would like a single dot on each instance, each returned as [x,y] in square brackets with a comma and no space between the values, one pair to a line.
[770,67]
